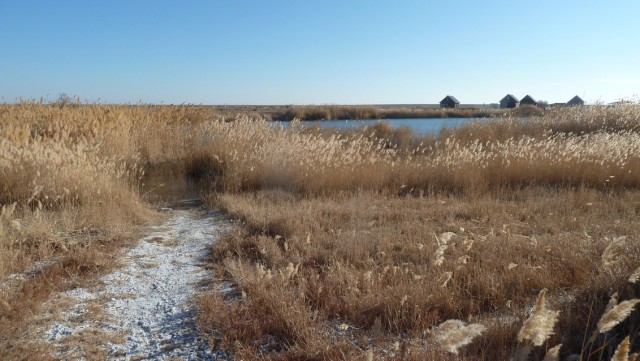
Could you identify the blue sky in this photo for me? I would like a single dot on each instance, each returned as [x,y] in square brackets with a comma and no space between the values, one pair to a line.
[319,52]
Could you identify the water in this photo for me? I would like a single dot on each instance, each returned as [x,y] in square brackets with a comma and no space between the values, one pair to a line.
[418,126]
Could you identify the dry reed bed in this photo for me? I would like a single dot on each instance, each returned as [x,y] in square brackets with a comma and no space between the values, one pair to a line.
[251,154]
[338,263]
[69,179]
[318,265]
[68,170]
[77,168]
[307,267]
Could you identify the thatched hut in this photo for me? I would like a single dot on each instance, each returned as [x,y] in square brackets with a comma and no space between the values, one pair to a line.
[449,102]
[528,100]
[509,101]
[575,101]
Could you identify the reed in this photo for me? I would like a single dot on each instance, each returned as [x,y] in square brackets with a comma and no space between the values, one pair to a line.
[356,244]
[539,326]
[635,276]
[455,334]
[622,352]
[553,354]
[250,154]
[65,170]
[391,237]
[616,313]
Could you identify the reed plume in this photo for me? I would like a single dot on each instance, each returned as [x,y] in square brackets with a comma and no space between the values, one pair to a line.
[445,278]
[439,255]
[622,351]
[452,335]
[539,326]
[613,252]
[635,276]
[553,354]
[615,314]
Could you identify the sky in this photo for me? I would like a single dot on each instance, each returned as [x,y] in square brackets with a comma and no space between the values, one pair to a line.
[319,52]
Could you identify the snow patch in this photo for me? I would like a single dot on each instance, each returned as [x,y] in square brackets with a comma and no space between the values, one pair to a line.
[150,299]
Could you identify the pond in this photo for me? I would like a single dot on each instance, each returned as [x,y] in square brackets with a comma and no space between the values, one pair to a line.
[418,126]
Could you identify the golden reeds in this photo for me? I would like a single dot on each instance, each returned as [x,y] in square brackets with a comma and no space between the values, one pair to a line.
[613,252]
[331,112]
[553,354]
[615,313]
[341,225]
[452,335]
[539,326]
[64,169]
[622,351]
[635,276]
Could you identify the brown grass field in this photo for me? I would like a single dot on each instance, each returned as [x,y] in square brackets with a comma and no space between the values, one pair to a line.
[502,239]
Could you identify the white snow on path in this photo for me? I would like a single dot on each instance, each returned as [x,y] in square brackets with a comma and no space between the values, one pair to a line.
[149,300]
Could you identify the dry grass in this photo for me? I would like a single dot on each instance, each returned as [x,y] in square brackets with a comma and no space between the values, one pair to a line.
[350,245]
[481,157]
[68,171]
[69,193]
[365,256]
[354,239]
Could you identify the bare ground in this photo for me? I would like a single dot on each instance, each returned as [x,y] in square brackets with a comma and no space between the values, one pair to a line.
[144,309]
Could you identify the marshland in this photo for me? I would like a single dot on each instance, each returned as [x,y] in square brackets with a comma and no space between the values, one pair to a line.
[504,238]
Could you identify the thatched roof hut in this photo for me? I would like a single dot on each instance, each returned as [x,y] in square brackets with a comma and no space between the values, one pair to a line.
[509,101]
[528,100]
[575,101]
[449,102]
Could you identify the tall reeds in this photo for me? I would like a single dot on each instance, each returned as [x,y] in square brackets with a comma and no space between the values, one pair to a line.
[388,241]
[366,238]
[252,154]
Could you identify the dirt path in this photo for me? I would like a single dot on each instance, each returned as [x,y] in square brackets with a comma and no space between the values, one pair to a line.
[143,310]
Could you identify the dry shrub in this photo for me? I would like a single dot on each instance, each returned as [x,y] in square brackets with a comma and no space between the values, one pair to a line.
[527,111]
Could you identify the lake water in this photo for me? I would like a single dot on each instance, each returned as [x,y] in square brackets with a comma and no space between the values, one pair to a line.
[419,126]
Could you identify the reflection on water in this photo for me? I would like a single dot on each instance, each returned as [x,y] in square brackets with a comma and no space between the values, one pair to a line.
[169,185]
[418,126]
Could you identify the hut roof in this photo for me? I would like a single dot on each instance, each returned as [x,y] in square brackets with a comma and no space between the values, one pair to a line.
[528,99]
[450,98]
[575,101]
[509,98]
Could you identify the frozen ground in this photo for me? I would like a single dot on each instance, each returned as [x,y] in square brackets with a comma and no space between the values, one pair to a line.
[144,310]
